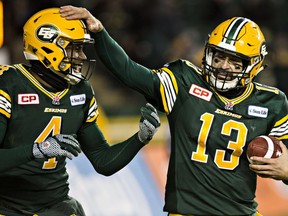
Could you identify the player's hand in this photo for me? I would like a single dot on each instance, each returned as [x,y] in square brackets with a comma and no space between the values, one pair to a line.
[76,13]
[276,168]
[149,123]
[59,145]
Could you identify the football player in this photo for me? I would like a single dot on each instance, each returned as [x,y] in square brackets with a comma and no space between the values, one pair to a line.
[41,102]
[213,111]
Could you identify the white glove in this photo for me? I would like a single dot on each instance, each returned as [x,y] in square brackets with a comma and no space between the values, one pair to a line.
[59,145]
[149,123]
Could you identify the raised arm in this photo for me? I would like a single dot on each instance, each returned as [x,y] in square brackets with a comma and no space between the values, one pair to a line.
[112,55]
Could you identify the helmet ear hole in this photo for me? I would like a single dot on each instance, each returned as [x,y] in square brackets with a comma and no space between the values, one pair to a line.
[34,50]
[47,50]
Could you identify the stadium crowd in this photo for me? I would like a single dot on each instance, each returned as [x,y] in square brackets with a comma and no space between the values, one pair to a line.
[167,29]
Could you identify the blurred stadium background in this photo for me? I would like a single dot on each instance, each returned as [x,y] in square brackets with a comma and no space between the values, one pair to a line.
[152,32]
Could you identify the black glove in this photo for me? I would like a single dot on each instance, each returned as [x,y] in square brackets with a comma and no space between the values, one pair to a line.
[59,145]
[149,123]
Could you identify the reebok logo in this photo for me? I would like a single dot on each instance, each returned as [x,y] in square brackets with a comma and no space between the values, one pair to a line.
[200,92]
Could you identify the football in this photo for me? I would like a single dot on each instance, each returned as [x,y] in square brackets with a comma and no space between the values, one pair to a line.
[264,146]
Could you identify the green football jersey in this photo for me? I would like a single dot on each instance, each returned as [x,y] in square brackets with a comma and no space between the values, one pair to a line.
[30,113]
[208,170]
[33,114]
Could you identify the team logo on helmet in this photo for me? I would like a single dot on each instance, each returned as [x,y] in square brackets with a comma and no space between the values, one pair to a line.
[47,33]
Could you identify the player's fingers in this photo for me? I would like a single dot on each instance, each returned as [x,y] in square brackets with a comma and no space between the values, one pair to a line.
[71,138]
[71,150]
[75,149]
[256,167]
[73,13]
[69,155]
[152,112]
[152,108]
[258,160]
[148,115]
[66,12]
[65,140]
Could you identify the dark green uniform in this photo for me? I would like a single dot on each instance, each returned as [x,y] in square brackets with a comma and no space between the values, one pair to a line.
[208,171]
[29,113]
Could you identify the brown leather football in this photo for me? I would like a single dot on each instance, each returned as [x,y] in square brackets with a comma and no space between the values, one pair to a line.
[264,146]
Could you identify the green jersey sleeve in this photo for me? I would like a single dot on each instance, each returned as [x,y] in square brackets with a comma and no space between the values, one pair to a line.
[10,158]
[107,158]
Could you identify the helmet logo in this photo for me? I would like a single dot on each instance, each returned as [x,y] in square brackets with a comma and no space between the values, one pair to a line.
[47,33]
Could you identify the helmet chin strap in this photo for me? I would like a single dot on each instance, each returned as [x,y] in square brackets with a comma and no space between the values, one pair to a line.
[56,82]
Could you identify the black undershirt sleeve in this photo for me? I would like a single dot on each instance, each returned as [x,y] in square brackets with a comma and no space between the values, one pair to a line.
[13,157]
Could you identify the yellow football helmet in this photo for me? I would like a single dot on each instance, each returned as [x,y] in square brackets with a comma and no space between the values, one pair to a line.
[46,37]
[241,38]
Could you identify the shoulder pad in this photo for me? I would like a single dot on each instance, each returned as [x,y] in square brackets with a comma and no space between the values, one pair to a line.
[4,68]
[262,87]
[190,64]
[169,64]
[183,62]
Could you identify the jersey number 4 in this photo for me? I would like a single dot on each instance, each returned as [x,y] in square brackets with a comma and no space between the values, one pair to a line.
[52,128]
[236,146]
